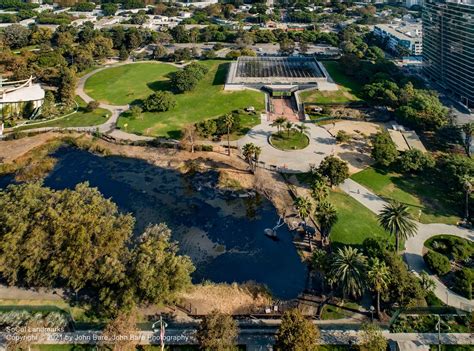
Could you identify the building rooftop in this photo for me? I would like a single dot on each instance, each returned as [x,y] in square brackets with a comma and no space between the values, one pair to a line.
[403,31]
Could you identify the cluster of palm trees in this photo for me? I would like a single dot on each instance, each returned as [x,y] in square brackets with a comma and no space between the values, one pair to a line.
[324,212]
[350,270]
[281,123]
[251,152]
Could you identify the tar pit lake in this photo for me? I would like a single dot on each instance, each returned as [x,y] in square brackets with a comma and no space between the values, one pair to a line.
[221,232]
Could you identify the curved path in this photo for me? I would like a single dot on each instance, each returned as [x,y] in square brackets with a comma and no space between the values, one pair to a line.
[414,245]
[321,144]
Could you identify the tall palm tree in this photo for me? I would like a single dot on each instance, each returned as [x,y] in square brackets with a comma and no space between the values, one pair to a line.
[288,126]
[303,206]
[396,219]
[248,150]
[319,190]
[229,122]
[378,278]
[319,263]
[257,150]
[348,269]
[303,128]
[326,215]
[279,122]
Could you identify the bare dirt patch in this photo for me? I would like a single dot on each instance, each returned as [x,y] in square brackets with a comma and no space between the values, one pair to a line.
[227,298]
[12,149]
[356,152]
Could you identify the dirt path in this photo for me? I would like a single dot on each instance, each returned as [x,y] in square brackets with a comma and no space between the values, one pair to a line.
[12,149]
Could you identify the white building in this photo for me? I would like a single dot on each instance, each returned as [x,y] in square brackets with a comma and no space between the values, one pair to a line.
[15,95]
[403,34]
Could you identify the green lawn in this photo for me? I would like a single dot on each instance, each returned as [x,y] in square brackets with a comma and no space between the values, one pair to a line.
[247,121]
[79,119]
[355,222]
[335,312]
[122,85]
[425,196]
[349,88]
[294,141]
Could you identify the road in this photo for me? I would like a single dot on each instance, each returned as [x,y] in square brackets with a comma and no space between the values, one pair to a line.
[414,245]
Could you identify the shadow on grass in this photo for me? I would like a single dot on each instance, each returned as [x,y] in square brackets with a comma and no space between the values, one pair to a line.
[160,85]
[219,77]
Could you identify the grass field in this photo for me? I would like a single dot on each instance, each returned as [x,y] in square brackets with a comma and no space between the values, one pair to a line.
[124,84]
[79,119]
[349,88]
[425,195]
[295,141]
[355,222]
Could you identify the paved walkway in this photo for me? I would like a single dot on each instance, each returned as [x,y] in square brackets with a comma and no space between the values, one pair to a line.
[414,245]
[321,144]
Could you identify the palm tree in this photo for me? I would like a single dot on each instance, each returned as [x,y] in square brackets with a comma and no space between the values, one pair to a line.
[303,206]
[257,150]
[229,122]
[279,122]
[396,219]
[319,263]
[320,190]
[378,278]
[288,127]
[348,269]
[248,150]
[303,128]
[467,186]
[326,215]
[468,130]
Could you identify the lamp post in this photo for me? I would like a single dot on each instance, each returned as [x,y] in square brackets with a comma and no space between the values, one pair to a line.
[372,310]
[438,326]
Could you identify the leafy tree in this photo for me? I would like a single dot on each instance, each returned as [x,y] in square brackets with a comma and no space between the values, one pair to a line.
[378,278]
[383,93]
[384,150]
[326,215]
[396,219]
[404,287]
[423,110]
[464,281]
[158,271]
[109,9]
[16,36]
[415,160]
[123,53]
[287,46]
[190,136]
[159,52]
[92,106]
[48,109]
[455,169]
[160,101]
[372,338]
[135,112]
[374,53]
[296,333]
[348,269]
[217,332]
[188,78]
[334,169]
[124,324]
[67,86]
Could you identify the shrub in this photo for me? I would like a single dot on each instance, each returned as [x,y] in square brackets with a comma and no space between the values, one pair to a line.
[343,137]
[464,279]
[437,262]
[91,106]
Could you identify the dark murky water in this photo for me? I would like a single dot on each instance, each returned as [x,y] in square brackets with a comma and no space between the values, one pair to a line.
[223,234]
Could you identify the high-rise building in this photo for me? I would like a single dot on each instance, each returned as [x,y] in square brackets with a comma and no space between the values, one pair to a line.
[448,46]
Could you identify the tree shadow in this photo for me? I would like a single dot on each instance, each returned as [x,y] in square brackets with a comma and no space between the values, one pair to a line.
[160,85]
[175,134]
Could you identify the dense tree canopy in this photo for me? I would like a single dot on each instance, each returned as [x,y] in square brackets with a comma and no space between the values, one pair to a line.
[78,240]
[296,333]
[217,332]
[384,150]
[160,101]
